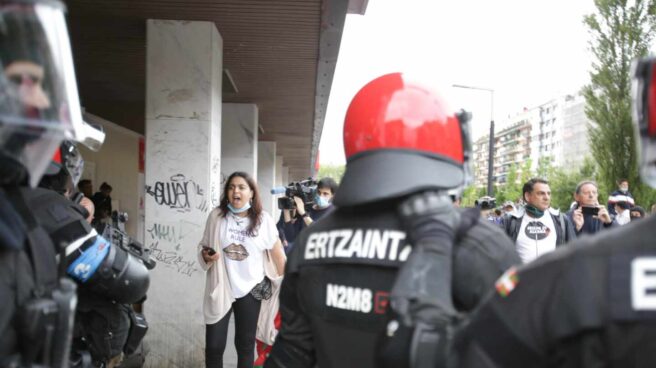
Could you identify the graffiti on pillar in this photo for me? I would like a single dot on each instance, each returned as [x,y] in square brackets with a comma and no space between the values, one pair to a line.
[214,190]
[179,193]
[166,243]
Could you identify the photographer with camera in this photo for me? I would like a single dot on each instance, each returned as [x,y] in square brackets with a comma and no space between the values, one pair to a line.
[321,205]
[587,215]
[487,206]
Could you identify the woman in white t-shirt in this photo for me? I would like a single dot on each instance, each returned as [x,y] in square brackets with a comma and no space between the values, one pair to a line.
[234,249]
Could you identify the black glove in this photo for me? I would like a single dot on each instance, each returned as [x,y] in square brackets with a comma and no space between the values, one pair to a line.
[423,311]
[422,290]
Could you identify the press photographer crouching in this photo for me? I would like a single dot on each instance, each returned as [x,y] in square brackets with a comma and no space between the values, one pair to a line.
[307,202]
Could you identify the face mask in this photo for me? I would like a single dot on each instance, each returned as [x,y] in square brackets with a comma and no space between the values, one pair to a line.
[533,211]
[239,210]
[624,189]
[321,202]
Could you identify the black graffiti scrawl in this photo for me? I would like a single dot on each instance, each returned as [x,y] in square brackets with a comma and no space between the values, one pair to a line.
[178,193]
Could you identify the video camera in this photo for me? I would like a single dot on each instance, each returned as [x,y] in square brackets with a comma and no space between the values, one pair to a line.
[116,234]
[306,190]
[486,203]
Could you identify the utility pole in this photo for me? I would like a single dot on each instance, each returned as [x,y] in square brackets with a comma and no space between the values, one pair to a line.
[490,158]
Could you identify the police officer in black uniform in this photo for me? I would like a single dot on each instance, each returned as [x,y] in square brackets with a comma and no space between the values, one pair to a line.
[588,305]
[378,281]
[38,108]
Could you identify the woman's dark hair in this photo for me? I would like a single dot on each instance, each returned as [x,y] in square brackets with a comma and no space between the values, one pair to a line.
[254,213]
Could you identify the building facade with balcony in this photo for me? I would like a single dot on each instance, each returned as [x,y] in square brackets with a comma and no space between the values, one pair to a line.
[512,147]
[556,130]
[561,132]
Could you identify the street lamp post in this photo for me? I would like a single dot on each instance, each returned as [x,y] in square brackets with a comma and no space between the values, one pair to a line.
[490,159]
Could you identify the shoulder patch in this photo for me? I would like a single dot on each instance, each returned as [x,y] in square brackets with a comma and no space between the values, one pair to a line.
[507,282]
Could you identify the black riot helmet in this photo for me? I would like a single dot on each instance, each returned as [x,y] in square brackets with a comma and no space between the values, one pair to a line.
[39,103]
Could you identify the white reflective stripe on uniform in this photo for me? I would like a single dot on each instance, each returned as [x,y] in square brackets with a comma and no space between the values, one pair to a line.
[78,243]
[643,283]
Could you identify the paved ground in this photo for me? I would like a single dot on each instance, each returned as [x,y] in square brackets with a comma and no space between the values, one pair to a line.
[230,355]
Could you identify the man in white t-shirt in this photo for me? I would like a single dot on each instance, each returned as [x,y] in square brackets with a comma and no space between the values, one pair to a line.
[539,229]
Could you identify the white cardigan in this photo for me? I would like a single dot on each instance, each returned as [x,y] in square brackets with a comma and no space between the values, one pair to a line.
[218,296]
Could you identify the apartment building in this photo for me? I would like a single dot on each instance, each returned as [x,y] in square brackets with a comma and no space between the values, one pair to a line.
[557,130]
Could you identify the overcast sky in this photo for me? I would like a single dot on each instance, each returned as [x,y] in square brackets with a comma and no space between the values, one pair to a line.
[528,51]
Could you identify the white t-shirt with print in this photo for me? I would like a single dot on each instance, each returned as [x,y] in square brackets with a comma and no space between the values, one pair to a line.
[243,254]
[537,236]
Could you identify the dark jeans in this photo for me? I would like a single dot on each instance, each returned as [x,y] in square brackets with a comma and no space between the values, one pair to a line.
[247,310]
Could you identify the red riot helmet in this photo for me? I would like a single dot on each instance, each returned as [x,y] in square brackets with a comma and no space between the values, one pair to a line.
[400,138]
[644,116]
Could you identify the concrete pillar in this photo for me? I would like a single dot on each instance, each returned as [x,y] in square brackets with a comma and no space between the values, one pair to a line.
[285,175]
[279,182]
[266,174]
[239,132]
[183,143]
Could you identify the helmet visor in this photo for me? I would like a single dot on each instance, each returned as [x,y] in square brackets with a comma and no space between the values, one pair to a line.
[39,104]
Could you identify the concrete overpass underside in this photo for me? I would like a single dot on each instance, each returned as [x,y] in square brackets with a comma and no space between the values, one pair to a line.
[280,56]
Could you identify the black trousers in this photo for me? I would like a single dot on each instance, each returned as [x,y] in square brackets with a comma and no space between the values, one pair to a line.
[247,311]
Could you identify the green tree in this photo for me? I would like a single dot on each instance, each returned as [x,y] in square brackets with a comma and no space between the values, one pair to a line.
[333,171]
[563,184]
[526,174]
[545,168]
[563,181]
[511,190]
[471,194]
[621,31]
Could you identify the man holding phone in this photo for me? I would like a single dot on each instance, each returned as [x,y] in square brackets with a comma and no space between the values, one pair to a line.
[587,215]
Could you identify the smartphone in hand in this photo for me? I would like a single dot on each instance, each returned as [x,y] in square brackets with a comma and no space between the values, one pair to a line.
[590,210]
[210,251]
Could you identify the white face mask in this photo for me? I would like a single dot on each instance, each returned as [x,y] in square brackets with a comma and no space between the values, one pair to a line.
[321,201]
[624,189]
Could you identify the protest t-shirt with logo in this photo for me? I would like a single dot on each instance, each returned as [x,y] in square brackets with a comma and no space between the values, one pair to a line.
[243,254]
[537,236]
